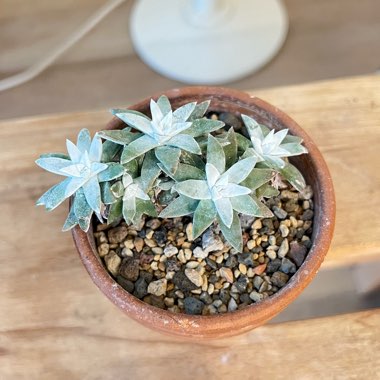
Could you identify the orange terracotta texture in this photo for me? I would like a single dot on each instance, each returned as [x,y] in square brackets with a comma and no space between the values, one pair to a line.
[316,174]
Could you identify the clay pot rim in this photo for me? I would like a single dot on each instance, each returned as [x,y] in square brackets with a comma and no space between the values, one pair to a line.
[230,323]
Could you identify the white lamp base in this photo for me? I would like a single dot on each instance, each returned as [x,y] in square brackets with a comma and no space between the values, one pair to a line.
[208,41]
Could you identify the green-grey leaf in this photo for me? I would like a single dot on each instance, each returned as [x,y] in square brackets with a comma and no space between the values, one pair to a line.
[137,148]
[169,157]
[136,120]
[144,207]
[203,127]
[199,110]
[111,151]
[181,114]
[215,154]
[121,137]
[233,234]
[56,155]
[257,178]
[132,167]
[164,104]
[204,215]
[192,188]
[82,210]
[241,170]
[107,195]
[149,171]
[84,140]
[242,142]
[179,207]
[185,142]
[247,205]
[230,150]
[192,159]
[294,149]
[54,196]
[184,172]
[53,164]
[293,176]
[115,211]
[129,209]
[71,220]
[113,171]
[266,191]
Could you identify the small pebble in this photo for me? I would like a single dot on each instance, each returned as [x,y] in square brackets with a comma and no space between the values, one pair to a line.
[193,306]
[189,232]
[170,251]
[113,262]
[199,253]
[227,274]
[158,288]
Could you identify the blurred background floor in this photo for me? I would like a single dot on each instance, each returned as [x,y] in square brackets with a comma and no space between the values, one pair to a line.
[327,39]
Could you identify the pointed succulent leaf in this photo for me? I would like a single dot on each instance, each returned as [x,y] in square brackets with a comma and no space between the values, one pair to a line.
[129,209]
[253,128]
[192,188]
[215,154]
[242,142]
[115,211]
[55,155]
[293,176]
[92,193]
[266,191]
[240,171]
[204,126]
[225,212]
[290,139]
[293,149]
[185,142]
[257,178]
[155,110]
[164,104]
[95,152]
[82,210]
[115,111]
[180,206]
[136,120]
[84,140]
[181,114]
[113,171]
[184,172]
[230,150]
[233,233]
[53,164]
[169,157]
[149,171]
[199,110]
[107,195]
[167,185]
[74,153]
[233,190]
[192,159]
[117,189]
[204,215]
[71,220]
[54,196]
[111,151]
[144,207]
[120,137]
[247,205]
[212,175]
[137,148]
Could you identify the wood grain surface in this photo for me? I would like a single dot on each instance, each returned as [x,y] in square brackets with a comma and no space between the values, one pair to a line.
[55,324]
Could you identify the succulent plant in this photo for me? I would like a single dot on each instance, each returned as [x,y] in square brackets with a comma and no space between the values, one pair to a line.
[177,163]
[219,196]
[84,172]
[272,147]
[168,133]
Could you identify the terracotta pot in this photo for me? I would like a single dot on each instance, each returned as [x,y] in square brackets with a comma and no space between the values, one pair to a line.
[316,174]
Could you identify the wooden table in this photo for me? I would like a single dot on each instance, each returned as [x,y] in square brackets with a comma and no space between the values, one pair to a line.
[55,324]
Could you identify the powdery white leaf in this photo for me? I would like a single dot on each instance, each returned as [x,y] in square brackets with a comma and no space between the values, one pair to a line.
[181,206]
[137,148]
[204,216]
[215,154]
[185,142]
[224,209]
[196,189]
[232,233]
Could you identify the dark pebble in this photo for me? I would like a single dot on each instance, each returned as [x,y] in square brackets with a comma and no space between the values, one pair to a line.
[231,261]
[291,206]
[273,266]
[213,279]
[212,264]
[244,298]
[300,233]
[279,279]
[193,306]
[241,283]
[142,233]
[246,259]
[297,253]
[129,269]
[268,223]
[246,221]
[141,287]
[264,230]
[146,259]
[307,215]
[182,282]
[206,298]
[148,277]
[125,284]
[224,296]
[157,301]
[279,212]
[172,265]
[160,236]
[288,266]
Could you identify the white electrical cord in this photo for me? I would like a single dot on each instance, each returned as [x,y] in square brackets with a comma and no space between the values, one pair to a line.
[39,67]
